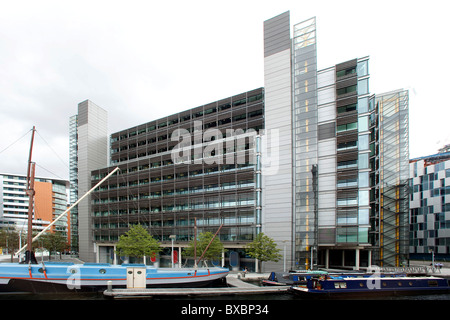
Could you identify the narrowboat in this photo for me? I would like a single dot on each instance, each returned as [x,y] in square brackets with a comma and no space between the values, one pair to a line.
[291,278]
[370,287]
[70,277]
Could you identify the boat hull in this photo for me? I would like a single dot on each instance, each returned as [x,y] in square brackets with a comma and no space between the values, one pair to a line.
[371,288]
[66,277]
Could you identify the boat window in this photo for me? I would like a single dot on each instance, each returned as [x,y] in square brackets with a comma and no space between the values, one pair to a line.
[41,270]
[340,285]
[73,270]
[432,283]
[102,271]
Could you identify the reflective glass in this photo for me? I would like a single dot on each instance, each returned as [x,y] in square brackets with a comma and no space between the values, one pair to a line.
[363,123]
[363,216]
[363,142]
[363,197]
[363,68]
[363,179]
[363,86]
[363,105]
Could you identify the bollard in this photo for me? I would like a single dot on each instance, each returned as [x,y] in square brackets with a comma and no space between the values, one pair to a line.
[109,288]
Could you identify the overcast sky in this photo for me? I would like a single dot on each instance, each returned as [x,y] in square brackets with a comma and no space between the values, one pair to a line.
[142,60]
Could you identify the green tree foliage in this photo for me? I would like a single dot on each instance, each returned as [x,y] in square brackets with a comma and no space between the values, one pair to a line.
[263,248]
[137,242]
[9,240]
[54,242]
[214,251]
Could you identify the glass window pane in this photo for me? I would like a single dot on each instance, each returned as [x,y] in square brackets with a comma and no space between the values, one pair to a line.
[363,86]
[363,123]
[363,199]
[363,179]
[363,216]
[363,235]
[363,105]
[363,68]
[363,142]
[363,161]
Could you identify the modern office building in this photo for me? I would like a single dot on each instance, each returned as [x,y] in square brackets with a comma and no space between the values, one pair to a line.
[326,202]
[196,165]
[314,160]
[430,206]
[88,141]
[49,202]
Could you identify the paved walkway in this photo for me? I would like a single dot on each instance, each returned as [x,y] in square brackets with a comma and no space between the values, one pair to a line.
[236,287]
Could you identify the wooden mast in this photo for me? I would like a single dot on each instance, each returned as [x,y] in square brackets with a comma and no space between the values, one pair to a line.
[29,255]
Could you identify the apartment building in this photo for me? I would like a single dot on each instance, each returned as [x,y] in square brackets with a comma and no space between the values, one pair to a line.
[49,202]
[429,231]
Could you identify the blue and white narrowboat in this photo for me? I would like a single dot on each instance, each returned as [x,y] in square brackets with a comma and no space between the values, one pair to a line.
[61,276]
[371,286]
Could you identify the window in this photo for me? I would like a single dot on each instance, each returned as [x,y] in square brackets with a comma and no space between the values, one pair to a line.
[224,106]
[240,117]
[347,127]
[363,105]
[363,68]
[363,160]
[363,198]
[363,216]
[363,86]
[347,164]
[363,235]
[363,123]
[347,145]
[363,179]
[349,108]
[346,90]
[255,97]
[239,102]
[346,72]
[363,142]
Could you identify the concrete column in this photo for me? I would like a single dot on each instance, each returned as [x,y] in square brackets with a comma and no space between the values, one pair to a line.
[343,258]
[327,258]
[357,259]
[223,258]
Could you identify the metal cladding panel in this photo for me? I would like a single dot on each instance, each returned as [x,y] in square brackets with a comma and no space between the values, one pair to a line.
[277,34]
[346,65]
[327,130]
[277,159]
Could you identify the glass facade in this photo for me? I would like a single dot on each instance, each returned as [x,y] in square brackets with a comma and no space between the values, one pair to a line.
[212,178]
[305,140]
[73,177]
[394,177]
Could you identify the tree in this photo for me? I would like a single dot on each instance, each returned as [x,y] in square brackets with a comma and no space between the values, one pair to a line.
[214,251]
[263,248]
[54,242]
[9,239]
[137,242]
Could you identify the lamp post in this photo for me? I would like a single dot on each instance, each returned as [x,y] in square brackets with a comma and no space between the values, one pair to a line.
[172,237]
